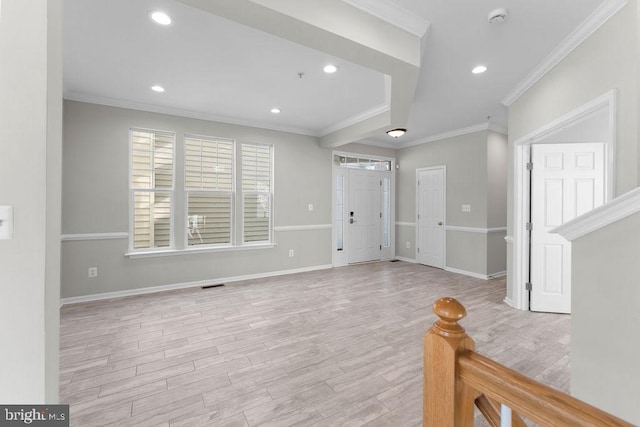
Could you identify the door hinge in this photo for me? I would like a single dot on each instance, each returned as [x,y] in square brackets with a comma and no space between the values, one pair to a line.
[529,166]
[418,250]
[529,226]
[418,183]
[418,216]
[527,286]
[380,247]
[380,183]
[380,214]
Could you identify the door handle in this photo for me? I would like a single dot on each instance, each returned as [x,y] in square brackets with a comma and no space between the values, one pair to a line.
[439,222]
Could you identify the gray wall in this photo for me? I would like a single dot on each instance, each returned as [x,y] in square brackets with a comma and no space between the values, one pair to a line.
[605,318]
[467,158]
[606,60]
[30,153]
[95,200]
[496,201]
[605,296]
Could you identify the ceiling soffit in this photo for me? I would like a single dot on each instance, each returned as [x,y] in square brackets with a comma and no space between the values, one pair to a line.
[344,31]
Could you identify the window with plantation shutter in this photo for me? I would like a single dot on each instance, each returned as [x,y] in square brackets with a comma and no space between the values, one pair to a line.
[209,188]
[257,169]
[151,188]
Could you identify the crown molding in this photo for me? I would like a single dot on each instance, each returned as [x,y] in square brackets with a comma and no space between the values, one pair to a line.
[497,128]
[450,134]
[380,109]
[111,102]
[619,208]
[573,40]
[394,15]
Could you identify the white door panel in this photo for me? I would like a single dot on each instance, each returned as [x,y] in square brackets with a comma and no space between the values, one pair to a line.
[567,181]
[364,220]
[430,221]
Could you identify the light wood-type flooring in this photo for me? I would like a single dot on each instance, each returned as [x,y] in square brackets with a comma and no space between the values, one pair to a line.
[329,348]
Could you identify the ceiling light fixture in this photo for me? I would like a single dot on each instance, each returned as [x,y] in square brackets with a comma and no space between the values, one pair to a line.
[497,16]
[479,69]
[160,18]
[275,110]
[396,133]
[330,69]
[157,88]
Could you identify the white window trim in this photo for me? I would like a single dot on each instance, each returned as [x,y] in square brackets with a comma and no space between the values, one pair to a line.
[133,191]
[197,250]
[237,219]
[240,198]
[209,247]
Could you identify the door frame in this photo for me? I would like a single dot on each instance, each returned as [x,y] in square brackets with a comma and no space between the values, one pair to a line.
[341,258]
[444,212]
[522,195]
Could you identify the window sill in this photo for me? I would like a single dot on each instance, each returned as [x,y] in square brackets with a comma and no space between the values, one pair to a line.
[196,250]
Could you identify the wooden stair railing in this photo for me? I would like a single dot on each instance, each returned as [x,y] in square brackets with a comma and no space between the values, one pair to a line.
[456,378]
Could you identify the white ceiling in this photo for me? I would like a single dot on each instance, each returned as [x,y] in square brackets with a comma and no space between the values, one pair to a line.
[217,69]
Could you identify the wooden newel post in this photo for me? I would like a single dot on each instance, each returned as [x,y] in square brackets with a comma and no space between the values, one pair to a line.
[446,402]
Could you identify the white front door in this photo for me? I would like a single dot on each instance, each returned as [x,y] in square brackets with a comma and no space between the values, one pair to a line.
[430,221]
[364,216]
[567,180]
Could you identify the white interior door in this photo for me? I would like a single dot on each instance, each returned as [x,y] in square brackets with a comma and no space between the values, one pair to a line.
[364,216]
[567,180]
[431,217]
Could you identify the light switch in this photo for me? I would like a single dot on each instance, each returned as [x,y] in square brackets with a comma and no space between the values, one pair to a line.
[310,207]
[466,208]
[6,222]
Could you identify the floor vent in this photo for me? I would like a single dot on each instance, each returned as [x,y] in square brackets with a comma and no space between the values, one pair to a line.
[213,286]
[394,260]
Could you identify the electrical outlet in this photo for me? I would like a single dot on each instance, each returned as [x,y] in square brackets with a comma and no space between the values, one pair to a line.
[408,245]
[291,253]
[310,207]
[466,208]
[93,272]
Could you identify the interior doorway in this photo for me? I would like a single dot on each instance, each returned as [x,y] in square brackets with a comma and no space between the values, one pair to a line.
[594,122]
[567,180]
[430,216]
[364,208]
[365,216]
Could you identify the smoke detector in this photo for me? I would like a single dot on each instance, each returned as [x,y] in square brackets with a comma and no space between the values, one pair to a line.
[497,16]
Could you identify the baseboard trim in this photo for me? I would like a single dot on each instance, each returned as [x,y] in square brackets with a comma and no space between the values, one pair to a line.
[176,286]
[411,260]
[476,229]
[509,302]
[498,274]
[477,275]
[467,273]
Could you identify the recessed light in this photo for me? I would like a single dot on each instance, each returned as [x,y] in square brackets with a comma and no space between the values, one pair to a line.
[330,69]
[157,88]
[160,18]
[275,110]
[479,69]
